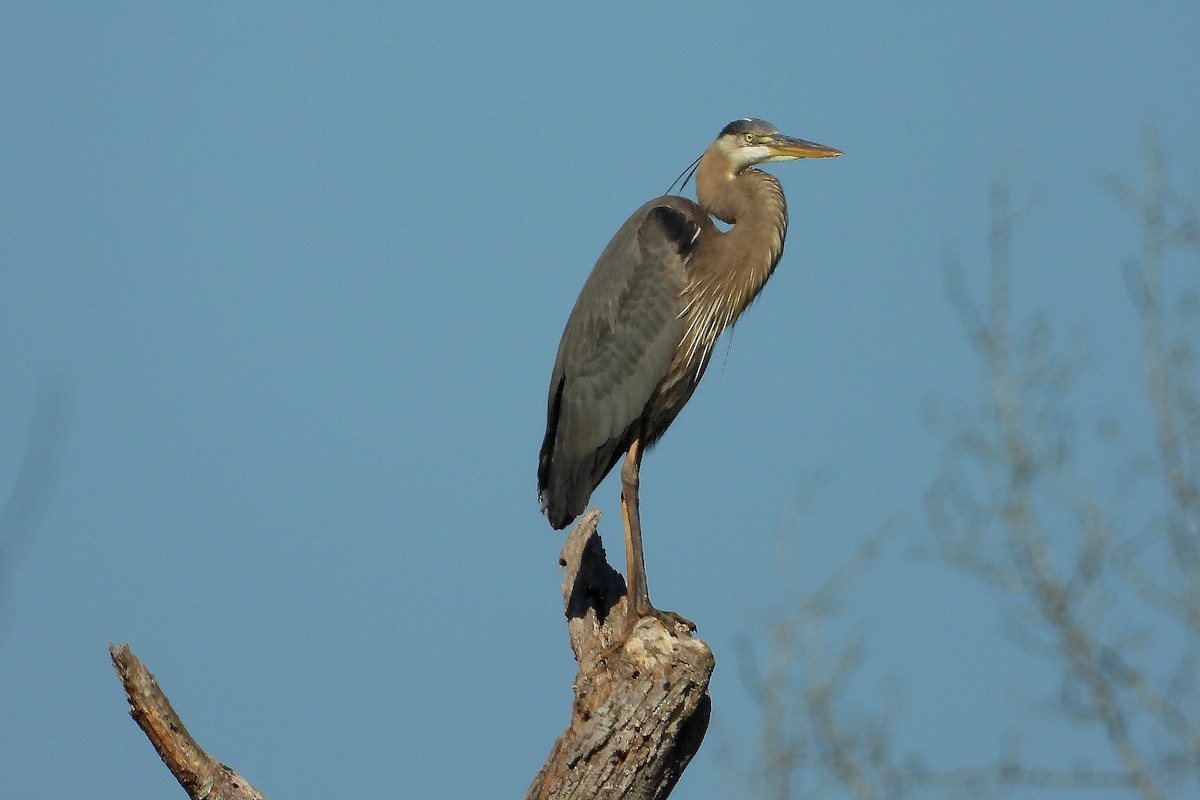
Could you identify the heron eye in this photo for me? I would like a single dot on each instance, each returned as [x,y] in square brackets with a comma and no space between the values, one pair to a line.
[749,137]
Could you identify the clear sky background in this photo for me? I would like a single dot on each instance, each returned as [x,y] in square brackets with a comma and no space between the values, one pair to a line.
[292,276]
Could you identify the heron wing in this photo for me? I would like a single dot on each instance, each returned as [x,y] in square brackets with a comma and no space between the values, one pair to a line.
[617,347]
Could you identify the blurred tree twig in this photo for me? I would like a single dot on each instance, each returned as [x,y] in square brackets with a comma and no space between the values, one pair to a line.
[1111,605]
[36,474]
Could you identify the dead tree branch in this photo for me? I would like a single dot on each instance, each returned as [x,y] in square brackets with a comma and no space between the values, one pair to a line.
[641,704]
[200,775]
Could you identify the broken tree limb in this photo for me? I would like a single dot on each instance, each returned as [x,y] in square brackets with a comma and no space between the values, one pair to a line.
[200,775]
[641,704]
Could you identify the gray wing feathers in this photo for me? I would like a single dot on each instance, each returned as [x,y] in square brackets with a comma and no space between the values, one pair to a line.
[617,346]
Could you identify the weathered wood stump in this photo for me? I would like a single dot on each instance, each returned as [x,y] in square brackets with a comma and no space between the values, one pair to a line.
[641,696]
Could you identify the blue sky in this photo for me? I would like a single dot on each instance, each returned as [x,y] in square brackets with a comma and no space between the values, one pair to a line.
[298,272]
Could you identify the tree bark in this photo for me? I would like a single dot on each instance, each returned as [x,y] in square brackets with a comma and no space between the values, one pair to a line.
[200,775]
[641,704]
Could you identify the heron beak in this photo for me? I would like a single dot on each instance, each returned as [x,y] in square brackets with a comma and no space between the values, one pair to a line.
[785,148]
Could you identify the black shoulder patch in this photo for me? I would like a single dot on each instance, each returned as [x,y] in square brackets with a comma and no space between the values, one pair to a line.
[675,226]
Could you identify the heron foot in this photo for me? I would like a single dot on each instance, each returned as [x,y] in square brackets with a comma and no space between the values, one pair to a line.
[673,623]
[668,619]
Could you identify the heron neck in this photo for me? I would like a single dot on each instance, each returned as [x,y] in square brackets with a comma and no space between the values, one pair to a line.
[730,196]
[753,202]
[728,269]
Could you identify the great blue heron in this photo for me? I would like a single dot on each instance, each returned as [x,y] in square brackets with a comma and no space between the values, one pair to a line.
[643,328]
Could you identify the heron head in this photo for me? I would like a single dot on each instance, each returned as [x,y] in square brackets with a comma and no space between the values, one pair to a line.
[746,142]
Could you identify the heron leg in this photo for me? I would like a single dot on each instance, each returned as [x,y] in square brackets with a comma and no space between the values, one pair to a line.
[637,591]
[635,561]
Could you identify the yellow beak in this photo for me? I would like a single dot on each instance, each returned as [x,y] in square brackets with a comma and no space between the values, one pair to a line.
[785,147]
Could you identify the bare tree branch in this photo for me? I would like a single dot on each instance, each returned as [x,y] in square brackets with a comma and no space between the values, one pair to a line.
[200,775]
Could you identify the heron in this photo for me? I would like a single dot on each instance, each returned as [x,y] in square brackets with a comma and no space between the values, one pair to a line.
[642,330]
